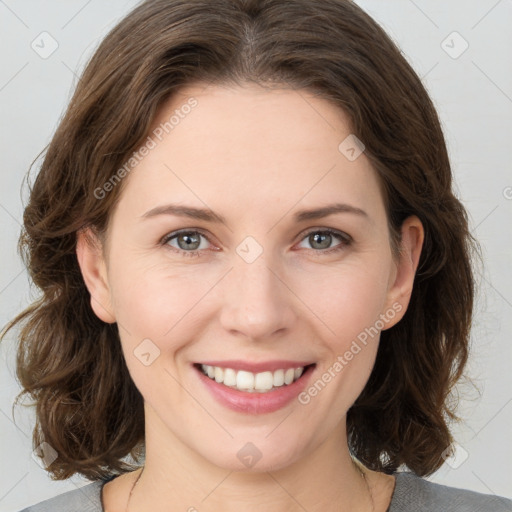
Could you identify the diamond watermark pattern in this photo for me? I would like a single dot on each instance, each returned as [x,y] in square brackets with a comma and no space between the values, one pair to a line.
[455,455]
[146,352]
[454,45]
[249,249]
[351,147]
[44,455]
[249,455]
[44,45]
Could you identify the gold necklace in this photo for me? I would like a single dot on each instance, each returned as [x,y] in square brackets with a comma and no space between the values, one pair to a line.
[357,464]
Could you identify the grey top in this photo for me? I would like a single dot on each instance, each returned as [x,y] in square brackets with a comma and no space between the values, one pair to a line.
[411,494]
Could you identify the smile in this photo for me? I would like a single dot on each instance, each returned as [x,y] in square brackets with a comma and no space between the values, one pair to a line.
[254,392]
[262,382]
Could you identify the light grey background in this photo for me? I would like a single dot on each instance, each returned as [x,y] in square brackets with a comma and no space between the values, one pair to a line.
[473,93]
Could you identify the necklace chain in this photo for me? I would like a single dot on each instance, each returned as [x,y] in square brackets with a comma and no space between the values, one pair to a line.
[356,464]
[360,467]
[133,488]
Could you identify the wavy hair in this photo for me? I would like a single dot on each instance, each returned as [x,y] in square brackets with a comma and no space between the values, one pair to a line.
[70,362]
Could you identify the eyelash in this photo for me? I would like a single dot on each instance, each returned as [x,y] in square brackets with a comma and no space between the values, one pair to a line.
[345,239]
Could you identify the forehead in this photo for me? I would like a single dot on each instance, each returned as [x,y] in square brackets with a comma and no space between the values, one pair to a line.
[257,112]
[240,146]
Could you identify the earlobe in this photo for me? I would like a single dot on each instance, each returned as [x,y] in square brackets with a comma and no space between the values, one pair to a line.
[410,250]
[93,268]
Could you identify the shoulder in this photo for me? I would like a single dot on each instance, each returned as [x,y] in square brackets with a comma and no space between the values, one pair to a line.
[83,499]
[413,493]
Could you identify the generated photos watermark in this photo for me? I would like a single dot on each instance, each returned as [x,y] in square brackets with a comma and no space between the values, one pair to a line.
[151,143]
[343,360]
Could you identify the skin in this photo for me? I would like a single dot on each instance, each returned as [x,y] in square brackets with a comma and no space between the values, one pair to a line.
[255,156]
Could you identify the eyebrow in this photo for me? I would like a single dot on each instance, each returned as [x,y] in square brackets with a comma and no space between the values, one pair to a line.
[185,211]
[319,213]
[210,216]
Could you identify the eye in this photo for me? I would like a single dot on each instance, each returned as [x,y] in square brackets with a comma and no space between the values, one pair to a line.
[187,243]
[321,240]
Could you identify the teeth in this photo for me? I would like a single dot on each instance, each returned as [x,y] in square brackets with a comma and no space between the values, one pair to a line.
[229,377]
[278,378]
[245,380]
[252,382]
[264,381]
[289,376]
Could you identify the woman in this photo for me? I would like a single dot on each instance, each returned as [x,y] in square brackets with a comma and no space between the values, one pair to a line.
[256,278]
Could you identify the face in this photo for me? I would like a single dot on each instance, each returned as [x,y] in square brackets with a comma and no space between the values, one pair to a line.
[246,241]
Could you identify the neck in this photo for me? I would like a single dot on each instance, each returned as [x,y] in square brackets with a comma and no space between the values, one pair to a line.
[324,479]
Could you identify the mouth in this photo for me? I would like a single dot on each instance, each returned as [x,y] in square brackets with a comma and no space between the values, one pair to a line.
[256,392]
[251,382]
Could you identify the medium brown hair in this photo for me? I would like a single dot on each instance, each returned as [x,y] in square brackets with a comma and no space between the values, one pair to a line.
[70,362]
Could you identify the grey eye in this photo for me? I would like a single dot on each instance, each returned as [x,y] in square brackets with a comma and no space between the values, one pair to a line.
[189,242]
[320,240]
[186,241]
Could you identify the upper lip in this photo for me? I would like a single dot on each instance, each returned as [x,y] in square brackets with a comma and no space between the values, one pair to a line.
[262,366]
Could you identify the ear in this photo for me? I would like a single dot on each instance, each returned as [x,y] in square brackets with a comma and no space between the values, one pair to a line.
[400,290]
[93,266]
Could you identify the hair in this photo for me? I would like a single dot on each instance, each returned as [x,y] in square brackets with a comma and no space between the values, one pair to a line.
[70,362]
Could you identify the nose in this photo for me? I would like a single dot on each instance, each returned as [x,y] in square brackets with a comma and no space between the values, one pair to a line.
[257,303]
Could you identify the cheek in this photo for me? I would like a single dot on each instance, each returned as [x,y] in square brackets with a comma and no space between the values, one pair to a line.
[153,311]
[348,299]
[351,312]
[350,309]
[150,301]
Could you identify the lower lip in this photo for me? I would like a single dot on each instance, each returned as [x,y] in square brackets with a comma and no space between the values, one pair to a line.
[255,403]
